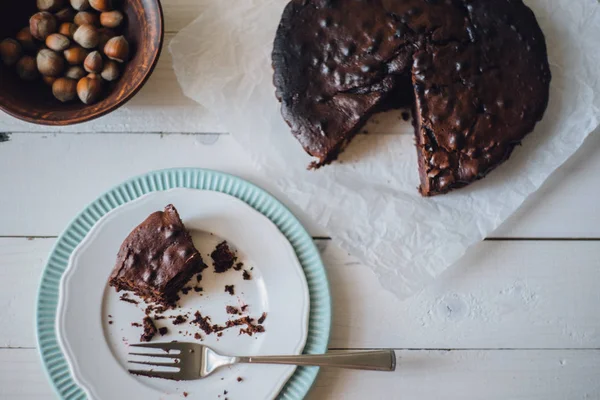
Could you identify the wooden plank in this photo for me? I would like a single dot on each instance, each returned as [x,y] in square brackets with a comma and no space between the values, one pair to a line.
[84,166]
[81,167]
[449,375]
[22,376]
[464,375]
[502,295]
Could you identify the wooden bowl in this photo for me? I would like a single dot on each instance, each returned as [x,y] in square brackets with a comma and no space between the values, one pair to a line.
[34,102]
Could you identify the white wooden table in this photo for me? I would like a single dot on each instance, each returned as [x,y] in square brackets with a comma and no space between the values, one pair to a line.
[517,318]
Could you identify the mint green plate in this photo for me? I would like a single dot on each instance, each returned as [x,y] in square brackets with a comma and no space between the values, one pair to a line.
[192,178]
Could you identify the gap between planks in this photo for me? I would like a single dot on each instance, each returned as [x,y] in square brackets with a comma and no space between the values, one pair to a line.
[318,238]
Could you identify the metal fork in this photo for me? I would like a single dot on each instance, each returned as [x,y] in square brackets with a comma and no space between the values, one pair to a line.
[196,361]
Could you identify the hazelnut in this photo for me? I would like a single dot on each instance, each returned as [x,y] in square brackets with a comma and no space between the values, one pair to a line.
[87,36]
[75,72]
[27,41]
[75,55]
[117,49]
[65,15]
[80,5]
[42,24]
[93,62]
[93,75]
[10,51]
[89,90]
[50,63]
[111,19]
[58,42]
[101,5]
[105,35]
[27,68]
[65,89]
[86,17]
[50,5]
[110,72]
[67,29]
[49,80]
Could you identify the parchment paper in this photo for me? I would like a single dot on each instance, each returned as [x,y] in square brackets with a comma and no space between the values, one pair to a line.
[368,202]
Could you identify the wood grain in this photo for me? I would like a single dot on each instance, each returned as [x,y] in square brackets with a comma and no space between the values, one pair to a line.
[35,166]
[421,374]
[527,295]
[34,102]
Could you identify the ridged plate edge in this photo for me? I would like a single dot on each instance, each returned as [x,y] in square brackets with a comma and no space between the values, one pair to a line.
[53,359]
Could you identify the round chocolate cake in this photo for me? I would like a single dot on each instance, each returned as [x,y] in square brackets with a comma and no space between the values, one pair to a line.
[475,73]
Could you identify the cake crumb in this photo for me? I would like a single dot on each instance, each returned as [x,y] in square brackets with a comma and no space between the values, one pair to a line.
[149,330]
[163,331]
[198,289]
[223,258]
[232,310]
[238,266]
[197,336]
[239,379]
[180,319]
[125,297]
[230,289]
[246,275]
[262,318]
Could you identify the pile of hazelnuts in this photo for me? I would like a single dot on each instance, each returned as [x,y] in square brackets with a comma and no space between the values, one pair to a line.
[73,45]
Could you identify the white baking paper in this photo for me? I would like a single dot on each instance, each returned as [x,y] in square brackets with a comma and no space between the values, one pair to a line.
[368,202]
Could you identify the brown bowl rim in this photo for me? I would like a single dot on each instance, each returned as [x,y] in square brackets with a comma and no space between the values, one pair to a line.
[111,108]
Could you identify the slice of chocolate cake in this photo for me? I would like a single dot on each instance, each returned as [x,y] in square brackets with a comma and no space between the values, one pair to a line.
[157,259]
[475,72]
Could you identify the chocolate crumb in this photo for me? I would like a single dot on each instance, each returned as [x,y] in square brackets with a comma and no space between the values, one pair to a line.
[186,290]
[136,324]
[163,331]
[225,392]
[185,394]
[232,310]
[198,289]
[198,277]
[238,266]
[219,334]
[246,275]
[110,322]
[262,318]
[229,289]
[180,319]
[203,323]
[405,115]
[244,307]
[223,258]
[125,297]
[197,336]
[239,379]
[149,330]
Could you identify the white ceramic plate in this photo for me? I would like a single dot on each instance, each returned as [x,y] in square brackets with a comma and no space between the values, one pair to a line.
[96,345]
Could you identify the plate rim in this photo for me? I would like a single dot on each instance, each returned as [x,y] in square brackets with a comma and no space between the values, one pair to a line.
[75,368]
[54,363]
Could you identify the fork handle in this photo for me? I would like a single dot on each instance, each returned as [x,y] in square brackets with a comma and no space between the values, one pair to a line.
[384,360]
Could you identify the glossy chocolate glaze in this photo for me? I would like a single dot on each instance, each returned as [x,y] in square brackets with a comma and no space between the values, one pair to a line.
[476,70]
[157,258]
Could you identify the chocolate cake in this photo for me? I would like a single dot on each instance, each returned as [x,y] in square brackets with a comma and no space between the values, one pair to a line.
[157,259]
[475,73]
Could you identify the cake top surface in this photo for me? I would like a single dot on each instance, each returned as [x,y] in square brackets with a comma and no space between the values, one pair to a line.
[156,252]
[477,70]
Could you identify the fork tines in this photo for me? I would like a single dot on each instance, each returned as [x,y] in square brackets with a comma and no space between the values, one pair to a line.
[175,358]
